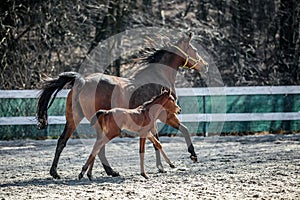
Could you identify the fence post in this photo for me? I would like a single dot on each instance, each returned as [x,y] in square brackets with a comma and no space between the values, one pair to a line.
[204,128]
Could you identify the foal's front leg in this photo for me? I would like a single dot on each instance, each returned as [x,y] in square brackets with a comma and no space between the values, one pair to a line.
[142,155]
[159,147]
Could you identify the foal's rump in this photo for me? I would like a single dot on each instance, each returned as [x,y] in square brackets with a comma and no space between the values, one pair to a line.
[96,116]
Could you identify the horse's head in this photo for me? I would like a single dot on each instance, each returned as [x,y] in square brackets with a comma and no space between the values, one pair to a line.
[191,58]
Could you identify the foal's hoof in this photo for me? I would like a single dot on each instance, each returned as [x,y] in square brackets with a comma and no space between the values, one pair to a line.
[160,169]
[194,158]
[172,165]
[54,174]
[145,175]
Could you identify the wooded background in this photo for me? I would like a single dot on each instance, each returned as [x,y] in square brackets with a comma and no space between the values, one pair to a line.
[252,42]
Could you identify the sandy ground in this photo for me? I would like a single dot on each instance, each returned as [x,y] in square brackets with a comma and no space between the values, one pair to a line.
[249,167]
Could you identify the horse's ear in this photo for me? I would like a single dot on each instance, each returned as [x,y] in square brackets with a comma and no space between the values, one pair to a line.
[190,36]
[185,39]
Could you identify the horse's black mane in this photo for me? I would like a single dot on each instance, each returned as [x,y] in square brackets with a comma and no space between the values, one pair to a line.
[155,49]
[155,56]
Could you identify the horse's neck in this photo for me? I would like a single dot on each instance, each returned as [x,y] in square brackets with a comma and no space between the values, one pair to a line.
[163,72]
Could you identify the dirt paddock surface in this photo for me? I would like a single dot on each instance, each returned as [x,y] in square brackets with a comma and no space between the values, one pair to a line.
[232,167]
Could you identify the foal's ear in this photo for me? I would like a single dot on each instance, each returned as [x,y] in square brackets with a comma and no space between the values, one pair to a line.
[163,90]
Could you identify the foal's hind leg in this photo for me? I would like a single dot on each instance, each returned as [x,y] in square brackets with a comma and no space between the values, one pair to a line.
[73,117]
[89,173]
[90,161]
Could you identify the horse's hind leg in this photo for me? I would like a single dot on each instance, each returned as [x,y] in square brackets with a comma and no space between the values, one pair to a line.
[109,171]
[73,117]
[61,143]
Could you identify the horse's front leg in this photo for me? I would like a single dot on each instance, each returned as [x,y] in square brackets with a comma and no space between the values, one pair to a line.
[173,121]
[109,171]
[157,152]
[142,155]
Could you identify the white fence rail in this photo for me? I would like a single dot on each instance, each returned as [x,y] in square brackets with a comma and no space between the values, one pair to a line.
[211,117]
[210,91]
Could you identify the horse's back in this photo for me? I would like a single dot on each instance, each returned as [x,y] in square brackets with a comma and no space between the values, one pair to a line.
[100,91]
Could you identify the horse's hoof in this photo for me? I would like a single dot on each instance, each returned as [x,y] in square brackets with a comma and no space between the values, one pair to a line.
[80,176]
[54,174]
[172,165]
[145,175]
[114,174]
[90,177]
[194,158]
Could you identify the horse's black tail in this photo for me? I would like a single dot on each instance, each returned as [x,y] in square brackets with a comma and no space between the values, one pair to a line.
[50,89]
[96,116]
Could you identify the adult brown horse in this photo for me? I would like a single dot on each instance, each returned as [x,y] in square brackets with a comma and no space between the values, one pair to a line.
[99,91]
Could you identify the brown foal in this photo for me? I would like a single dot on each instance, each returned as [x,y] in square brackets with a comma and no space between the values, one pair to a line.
[141,119]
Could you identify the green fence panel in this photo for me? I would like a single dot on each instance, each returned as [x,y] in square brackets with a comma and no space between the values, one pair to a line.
[242,104]
[27,107]
[190,105]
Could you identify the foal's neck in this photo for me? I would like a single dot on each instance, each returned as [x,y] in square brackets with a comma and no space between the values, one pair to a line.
[154,108]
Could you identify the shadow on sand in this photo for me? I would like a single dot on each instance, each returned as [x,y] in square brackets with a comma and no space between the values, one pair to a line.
[70,182]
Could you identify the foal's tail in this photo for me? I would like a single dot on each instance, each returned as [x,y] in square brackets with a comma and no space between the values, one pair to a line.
[50,89]
[96,116]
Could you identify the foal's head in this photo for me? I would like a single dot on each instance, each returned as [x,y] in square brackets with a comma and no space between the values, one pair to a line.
[166,100]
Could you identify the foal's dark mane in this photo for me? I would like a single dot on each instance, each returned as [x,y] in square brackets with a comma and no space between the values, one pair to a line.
[147,103]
